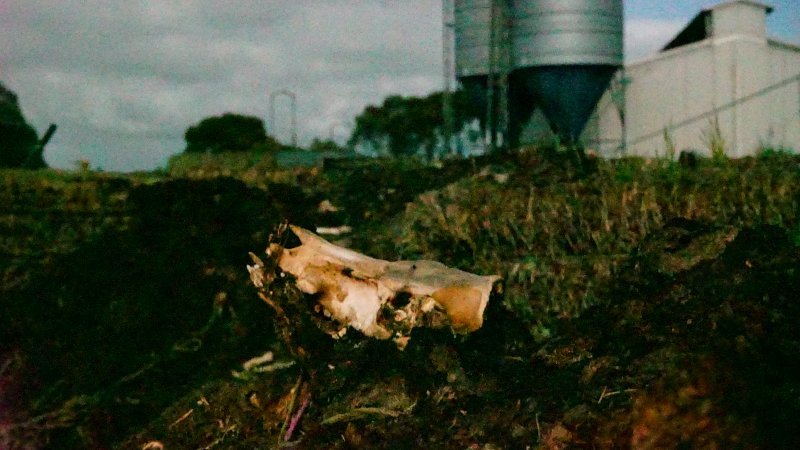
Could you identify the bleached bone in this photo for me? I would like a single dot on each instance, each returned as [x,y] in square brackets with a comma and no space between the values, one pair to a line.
[384,299]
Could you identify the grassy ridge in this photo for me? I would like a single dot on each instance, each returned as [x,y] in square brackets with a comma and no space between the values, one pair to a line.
[555,243]
[639,296]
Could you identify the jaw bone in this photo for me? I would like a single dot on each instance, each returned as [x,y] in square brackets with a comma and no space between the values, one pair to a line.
[384,299]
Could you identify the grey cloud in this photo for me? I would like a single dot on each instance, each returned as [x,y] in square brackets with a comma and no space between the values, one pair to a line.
[113,71]
[125,79]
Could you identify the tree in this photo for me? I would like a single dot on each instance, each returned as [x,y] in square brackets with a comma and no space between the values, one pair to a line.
[410,125]
[17,138]
[228,133]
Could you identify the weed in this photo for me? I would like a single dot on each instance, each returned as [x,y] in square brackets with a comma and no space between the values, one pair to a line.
[715,141]
[669,145]
[772,152]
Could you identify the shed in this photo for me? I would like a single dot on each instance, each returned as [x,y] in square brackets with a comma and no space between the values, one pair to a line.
[721,78]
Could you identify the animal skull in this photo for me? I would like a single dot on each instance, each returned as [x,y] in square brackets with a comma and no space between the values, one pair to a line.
[381,299]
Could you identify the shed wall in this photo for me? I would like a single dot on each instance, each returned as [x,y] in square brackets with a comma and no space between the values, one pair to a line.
[740,85]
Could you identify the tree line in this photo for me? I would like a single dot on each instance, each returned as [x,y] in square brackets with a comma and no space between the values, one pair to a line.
[400,126]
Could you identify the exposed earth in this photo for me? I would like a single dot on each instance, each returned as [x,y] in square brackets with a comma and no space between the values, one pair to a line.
[128,313]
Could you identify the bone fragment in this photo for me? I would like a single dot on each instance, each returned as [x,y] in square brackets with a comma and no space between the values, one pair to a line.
[384,299]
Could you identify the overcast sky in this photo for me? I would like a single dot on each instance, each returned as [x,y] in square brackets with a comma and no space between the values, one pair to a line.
[124,79]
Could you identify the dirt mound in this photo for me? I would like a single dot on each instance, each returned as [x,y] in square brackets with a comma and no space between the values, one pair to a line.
[133,333]
[116,330]
[698,354]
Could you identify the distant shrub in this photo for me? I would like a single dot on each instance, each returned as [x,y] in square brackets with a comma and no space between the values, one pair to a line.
[228,133]
[327,145]
[249,166]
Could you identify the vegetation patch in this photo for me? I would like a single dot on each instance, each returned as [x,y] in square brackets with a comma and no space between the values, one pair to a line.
[646,304]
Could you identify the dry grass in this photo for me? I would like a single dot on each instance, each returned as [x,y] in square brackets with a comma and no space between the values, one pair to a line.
[555,243]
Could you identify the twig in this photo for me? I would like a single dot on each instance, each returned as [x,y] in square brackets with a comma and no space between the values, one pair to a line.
[295,391]
[605,394]
[358,413]
[138,373]
[296,418]
[275,306]
[64,417]
[225,432]
[602,395]
[529,210]
[182,418]
[258,361]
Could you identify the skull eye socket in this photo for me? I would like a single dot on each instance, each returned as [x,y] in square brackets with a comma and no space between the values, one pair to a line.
[400,300]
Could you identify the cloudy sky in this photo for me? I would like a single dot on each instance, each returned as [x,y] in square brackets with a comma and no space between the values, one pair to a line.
[124,79]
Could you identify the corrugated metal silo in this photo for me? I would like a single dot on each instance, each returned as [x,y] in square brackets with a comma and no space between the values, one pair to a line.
[563,54]
[567,32]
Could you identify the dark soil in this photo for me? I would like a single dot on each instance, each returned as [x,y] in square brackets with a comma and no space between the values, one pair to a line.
[131,334]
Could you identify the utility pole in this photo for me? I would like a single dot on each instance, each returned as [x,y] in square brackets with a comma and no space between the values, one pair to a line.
[293,98]
[448,23]
[497,116]
[504,62]
[490,80]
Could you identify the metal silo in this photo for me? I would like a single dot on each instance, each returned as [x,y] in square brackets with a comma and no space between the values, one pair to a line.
[567,32]
[562,55]
[565,53]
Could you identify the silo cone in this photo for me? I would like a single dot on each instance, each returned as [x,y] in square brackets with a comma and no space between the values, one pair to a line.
[565,53]
[566,94]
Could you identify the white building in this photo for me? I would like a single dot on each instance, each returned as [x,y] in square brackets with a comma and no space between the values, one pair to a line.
[721,72]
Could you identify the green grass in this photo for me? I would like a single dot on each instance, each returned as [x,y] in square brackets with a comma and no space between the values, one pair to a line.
[631,286]
[555,242]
